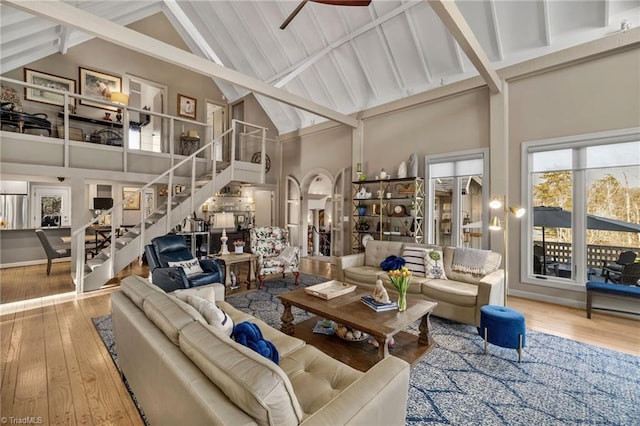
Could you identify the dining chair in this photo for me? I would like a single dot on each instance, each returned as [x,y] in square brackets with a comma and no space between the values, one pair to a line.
[51,252]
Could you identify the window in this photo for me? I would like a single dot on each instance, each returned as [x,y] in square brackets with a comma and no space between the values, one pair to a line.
[455,199]
[584,195]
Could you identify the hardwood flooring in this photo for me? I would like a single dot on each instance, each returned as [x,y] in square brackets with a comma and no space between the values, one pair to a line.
[54,366]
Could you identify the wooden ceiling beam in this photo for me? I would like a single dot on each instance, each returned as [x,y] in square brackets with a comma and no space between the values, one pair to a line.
[65,14]
[452,18]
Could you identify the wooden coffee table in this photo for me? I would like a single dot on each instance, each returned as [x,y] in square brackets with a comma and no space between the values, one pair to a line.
[350,311]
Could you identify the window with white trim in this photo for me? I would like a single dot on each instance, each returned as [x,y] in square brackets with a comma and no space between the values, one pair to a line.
[584,197]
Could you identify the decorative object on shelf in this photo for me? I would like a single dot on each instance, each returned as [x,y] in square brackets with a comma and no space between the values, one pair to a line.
[412,165]
[363,225]
[119,115]
[362,209]
[402,170]
[383,174]
[359,170]
[257,158]
[187,106]
[107,116]
[10,99]
[49,81]
[362,177]
[132,199]
[361,194]
[349,334]
[99,86]
[435,271]
[400,210]
[380,293]
[401,278]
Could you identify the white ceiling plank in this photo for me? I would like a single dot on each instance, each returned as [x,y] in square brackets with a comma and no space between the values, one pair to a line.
[546,23]
[63,40]
[387,51]
[24,56]
[606,13]
[114,33]
[27,28]
[496,29]
[419,48]
[174,8]
[305,63]
[327,93]
[450,15]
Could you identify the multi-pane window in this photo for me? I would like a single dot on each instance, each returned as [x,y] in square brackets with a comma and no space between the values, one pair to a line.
[584,199]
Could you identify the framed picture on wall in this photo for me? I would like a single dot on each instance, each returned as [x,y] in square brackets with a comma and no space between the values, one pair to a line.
[49,81]
[133,203]
[187,106]
[149,201]
[99,86]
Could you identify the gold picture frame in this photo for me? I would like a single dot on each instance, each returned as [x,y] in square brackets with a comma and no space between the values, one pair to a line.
[99,86]
[187,106]
[133,203]
[49,81]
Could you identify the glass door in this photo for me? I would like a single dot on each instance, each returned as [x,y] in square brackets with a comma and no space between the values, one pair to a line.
[52,207]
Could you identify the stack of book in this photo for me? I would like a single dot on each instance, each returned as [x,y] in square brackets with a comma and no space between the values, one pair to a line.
[377,306]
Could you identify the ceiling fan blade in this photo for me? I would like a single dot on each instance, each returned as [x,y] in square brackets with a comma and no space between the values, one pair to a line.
[293,14]
[344,2]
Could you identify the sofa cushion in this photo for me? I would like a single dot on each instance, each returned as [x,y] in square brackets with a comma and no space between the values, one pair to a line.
[363,274]
[205,291]
[167,315]
[414,256]
[214,316]
[248,334]
[137,289]
[252,382]
[316,377]
[454,292]
[430,264]
[377,251]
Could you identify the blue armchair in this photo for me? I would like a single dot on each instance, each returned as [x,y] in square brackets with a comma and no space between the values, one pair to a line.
[166,251]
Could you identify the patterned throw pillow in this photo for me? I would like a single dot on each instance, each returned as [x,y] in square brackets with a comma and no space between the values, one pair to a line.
[415,258]
[214,316]
[434,268]
[191,267]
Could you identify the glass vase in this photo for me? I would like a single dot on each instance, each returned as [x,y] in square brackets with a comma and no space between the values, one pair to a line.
[402,301]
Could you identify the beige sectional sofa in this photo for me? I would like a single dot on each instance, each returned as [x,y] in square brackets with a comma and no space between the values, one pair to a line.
[459,297]
[184,371]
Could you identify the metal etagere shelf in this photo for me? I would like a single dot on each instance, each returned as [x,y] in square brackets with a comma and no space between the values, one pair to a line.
[387,209]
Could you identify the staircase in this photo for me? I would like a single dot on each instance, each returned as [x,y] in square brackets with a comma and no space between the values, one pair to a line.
[124,249]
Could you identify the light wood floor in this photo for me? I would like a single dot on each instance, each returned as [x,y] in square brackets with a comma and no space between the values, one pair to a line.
[54,365]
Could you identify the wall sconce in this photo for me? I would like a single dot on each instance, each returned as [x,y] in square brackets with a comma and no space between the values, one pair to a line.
[496,225]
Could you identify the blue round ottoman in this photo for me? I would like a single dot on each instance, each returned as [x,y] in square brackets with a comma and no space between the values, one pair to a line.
[502,326]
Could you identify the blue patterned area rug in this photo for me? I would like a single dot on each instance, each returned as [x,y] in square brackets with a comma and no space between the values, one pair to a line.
[558,382]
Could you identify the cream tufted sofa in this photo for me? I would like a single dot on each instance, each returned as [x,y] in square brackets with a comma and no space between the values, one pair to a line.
[459,297]
[184,371]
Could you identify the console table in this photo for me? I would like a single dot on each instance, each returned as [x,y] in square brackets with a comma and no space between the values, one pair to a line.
[189,145]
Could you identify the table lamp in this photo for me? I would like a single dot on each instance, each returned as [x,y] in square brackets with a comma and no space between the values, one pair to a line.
[224,221]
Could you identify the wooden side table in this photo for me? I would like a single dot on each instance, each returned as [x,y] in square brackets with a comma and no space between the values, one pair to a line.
[235,259]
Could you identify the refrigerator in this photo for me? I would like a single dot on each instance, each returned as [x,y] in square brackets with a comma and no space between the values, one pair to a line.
[14,211]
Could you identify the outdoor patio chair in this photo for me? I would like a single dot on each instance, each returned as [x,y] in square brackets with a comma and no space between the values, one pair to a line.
[612,271]
[630,275]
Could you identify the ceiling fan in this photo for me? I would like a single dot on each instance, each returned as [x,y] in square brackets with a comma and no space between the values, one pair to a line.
[331,2]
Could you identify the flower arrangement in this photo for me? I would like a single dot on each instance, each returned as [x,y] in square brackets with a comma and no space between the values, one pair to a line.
[401,278]
[9,94]
[238,243]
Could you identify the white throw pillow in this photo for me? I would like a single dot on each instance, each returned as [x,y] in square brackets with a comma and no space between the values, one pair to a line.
[214,316]
[191,267]
[430,264]
[415,258]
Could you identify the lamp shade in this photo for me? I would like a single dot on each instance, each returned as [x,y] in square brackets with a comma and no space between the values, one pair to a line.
[119,98]
[224,220]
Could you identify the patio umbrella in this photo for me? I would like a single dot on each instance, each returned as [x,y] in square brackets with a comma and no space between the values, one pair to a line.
[556,217]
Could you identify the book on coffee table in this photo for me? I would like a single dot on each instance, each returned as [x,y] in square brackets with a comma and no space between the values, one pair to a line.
[377,306]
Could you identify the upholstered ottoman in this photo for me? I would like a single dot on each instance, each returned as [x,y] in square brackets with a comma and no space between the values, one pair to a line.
[502,326]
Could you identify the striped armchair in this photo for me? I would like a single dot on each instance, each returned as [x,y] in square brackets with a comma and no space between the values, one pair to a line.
[274,255]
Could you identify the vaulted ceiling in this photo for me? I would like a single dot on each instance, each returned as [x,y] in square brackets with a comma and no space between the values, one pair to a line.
[344,58]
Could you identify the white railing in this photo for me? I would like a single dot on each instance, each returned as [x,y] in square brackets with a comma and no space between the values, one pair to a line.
[79,235]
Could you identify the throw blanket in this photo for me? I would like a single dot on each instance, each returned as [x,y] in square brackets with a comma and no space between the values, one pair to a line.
[469,260]
[248,334]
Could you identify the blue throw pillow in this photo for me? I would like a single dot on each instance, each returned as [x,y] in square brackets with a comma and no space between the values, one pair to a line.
[248,334]
[392,262]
